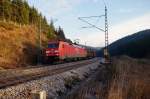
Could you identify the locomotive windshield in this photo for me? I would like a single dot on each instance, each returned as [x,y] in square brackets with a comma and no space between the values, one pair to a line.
[53,45]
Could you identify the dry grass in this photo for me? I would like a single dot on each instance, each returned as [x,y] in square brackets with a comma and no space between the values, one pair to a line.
[131,79]
[17,45]
[126,78]
[94,87]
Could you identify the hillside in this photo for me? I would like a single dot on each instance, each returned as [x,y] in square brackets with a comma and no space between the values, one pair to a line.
[19,27]
[18,45]
[136,45]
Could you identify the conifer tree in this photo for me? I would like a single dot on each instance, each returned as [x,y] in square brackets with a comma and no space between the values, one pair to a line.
[5,9]
[25,13]
[15,11]
[60,34]
[33,16]
[51,31]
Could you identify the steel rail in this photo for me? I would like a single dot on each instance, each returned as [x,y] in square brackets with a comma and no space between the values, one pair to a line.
[10,81]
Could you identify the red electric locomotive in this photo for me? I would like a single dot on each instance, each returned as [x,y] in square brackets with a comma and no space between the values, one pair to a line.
[60,50]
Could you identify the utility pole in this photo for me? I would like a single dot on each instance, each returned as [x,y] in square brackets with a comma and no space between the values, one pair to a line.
[105,50]
[39,45]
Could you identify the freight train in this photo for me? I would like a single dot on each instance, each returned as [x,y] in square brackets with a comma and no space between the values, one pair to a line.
[64,51]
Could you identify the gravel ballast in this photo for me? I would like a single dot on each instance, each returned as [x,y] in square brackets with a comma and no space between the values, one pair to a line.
[53,85]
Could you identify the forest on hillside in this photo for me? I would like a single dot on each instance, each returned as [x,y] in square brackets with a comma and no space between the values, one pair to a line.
[19,12]
[20,26]
[136,45]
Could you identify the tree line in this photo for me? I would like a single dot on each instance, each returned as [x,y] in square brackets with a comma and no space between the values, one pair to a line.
[19,11]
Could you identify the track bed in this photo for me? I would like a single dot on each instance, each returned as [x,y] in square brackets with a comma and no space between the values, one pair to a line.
[17,76]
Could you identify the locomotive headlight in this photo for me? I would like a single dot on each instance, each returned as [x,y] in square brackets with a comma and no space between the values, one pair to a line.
[47,52]
[56,51]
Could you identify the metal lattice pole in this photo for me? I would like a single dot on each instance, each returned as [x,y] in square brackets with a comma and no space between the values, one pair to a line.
[106,29]
[106,52]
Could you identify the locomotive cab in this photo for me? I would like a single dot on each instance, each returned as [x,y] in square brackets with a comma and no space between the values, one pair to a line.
[52,51]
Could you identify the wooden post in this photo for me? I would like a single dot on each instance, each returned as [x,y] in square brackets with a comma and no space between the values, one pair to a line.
[38,94]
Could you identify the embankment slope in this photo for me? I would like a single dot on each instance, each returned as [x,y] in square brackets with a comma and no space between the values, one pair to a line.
[18,45]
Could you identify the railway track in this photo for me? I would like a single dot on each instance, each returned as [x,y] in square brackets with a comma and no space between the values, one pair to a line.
[10,81]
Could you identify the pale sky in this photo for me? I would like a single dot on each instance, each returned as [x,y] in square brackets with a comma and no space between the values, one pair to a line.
[124,17]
